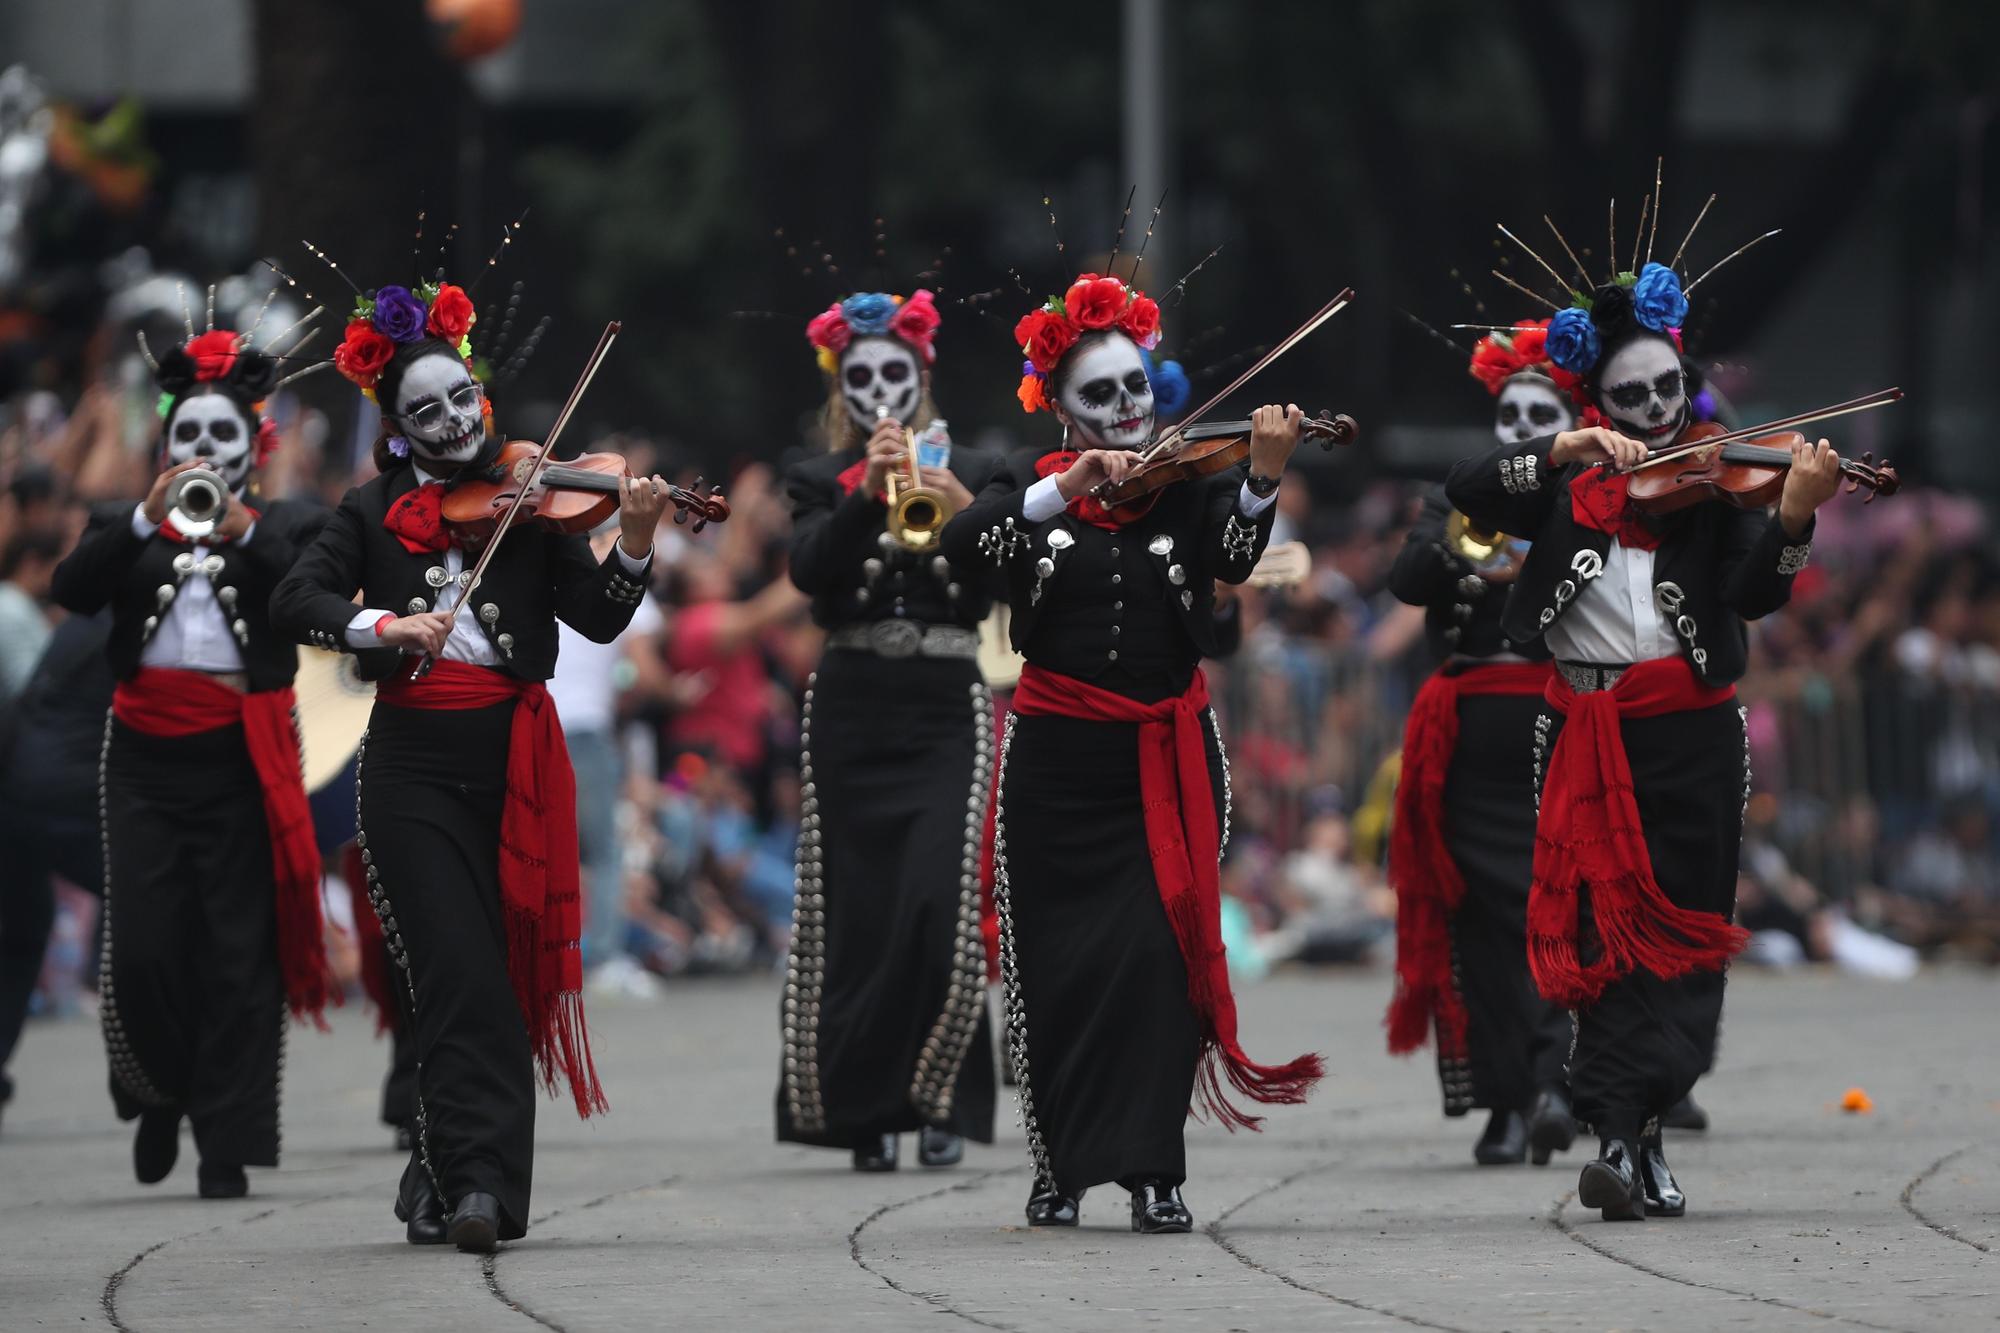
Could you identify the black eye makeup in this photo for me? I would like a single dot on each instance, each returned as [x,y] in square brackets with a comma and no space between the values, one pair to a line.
[896,372]
[1098,392]
[1544,414]
[1634,395]
[187,432]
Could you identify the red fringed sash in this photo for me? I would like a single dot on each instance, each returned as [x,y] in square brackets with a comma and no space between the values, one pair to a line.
[538,864]
[1427,881]
[1589,833]
[1185,840]
[161,701]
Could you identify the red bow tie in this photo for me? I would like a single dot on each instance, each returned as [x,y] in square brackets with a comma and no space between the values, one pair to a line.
[417,519]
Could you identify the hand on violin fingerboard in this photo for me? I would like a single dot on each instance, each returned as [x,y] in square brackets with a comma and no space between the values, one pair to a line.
[641,501]
[1274,434]
[1093,468]
[1814,479]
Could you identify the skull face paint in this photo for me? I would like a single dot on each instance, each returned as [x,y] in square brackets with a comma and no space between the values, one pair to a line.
[439,410]
[1529,407]
[210,428]
[1643,389]
[880,372]
[1105,395]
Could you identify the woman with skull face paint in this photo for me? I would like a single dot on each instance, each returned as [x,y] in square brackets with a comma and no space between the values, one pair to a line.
[1113,805]
[211,893]
[465,795]
[1635,876]
[1460,856]
[884,1017]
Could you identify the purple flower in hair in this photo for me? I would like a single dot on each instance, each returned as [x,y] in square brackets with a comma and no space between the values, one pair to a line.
[399,446]
[399,315]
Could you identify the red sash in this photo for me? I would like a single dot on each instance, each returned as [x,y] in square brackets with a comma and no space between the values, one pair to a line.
[1185,840]
[160,701]
[1427,881]
[539,887]
[1589,833]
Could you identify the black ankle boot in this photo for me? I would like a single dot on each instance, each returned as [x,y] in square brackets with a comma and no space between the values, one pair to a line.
[939,1147]
[1050,1207]
[1663,1193]
[876,1153]
[156,1146]
[419,1208]
[475,1224]
[1611,1184]
[1504,1142]
[221,1180]
[1551,1126]
[1684,1114]
[1157,1210]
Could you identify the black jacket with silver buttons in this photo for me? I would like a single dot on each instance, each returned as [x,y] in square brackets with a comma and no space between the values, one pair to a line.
[536,576]
[140,577]
[1462,610]
[1717,566]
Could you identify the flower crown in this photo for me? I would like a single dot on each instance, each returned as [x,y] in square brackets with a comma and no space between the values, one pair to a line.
[1093,302]
[221,357]
[1523,349]
[915,320]
[1651,299]
[395,316]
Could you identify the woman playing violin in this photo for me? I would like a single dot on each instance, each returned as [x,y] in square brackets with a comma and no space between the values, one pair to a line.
[466,801]
[1113,801]
[1633,890]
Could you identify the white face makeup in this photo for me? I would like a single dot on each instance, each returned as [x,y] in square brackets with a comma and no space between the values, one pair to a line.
[880,372]
[1106,395]
[210,428]
[1644,390]
[438,409]
[1530,407]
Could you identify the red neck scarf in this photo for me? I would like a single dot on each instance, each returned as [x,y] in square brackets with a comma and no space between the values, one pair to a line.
[1598,501]
[1427,881]
[851,477]
[539,887]
[161,701]
[1083,507]
[1186,843]
[416,519]
[1589,834]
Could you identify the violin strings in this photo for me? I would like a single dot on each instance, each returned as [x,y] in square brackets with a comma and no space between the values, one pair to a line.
[1526,291]
[1147,239]
[1181,285]
[326,259]
[1326,312]
[1690,233]
[1865,403]
[1546,267]
[1639,232]
[1731,255]
[1659,202]
[1581,271]
[1119,239]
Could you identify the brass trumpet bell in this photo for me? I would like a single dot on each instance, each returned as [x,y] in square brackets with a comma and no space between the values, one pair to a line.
[917,513]
[1486,552]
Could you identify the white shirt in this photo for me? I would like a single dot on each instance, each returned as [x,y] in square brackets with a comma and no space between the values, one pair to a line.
[585,686]
[1044,501]
[194,633]
[467,643]
[1616,617]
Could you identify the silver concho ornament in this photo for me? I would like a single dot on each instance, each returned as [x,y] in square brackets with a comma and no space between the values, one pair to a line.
[1161,545]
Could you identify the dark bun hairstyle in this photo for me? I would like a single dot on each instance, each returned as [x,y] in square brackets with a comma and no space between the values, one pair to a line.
[250,379]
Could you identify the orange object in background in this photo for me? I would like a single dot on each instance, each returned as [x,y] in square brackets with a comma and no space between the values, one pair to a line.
[475,28]
[1856,1102]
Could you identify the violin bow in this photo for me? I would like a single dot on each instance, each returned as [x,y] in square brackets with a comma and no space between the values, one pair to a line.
[1866,403]
[535,467]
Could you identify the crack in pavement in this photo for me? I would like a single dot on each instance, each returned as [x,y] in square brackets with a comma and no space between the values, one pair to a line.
[489,1263]
[933,1299]
[1909,1200]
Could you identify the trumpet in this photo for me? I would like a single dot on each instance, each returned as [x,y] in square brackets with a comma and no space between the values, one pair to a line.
[1489,553]
[917,513]
[196,501]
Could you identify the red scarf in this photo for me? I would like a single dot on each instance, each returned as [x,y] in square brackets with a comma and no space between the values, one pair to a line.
[1427,881]
[416,519]
[851,477]
[160,701]
[1185,839]
[1589,833]
[1598,501]
[539,887]
[1083,507]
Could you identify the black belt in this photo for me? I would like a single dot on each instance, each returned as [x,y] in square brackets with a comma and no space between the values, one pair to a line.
[1584,677]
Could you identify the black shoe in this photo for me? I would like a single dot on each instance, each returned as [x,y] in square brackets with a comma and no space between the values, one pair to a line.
[877,1154]
[940,1147]
[221,1180]
[420,1209]
[1611,1183]
[1684,1114]
[1551,1126]
[1050,1207]
[475,1224]
[1663,1193]
[406,1140]
[1505,1141]
[156,1146]
[1157,1210]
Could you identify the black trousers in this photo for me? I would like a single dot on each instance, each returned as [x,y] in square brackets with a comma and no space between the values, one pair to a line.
[432,783]
[1644,1042]
[190,993]
[35,847]
[1516,1041]
[399,1087]
[1103,1037]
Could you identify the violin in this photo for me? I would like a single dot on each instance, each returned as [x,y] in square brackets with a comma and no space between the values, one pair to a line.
[564,497]
[1203,450]
[1747,468]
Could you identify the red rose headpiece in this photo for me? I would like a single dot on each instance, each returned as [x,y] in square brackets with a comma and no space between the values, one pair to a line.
[913,319]
[1093,302]
[392,316]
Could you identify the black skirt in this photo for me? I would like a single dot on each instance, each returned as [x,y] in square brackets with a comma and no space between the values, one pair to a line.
[432,783]
[191,996]
[1516,1041]
[884,1014]
[1103,1038]
[1642,1044]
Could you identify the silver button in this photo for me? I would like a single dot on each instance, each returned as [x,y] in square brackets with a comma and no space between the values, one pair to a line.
[1117,629]
[1112,655]
[437,576]
[490,614]
[1118,606]
[1117,578]
[418,606]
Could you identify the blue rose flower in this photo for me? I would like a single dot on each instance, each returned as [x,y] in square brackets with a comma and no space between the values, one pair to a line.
[1657,301]
[1572,341]
[868,312]
[399,316]
[1171,389]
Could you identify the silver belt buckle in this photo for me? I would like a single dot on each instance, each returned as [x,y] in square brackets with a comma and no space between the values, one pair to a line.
[895,638]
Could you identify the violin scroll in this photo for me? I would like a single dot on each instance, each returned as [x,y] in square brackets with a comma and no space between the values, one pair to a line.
[1880,478]
[1330,428]
[690,503]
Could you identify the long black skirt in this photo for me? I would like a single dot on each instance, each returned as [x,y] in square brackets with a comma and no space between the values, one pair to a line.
[191,996]
[884,1014]
[1103,1038]
[1516,1042]
[1642,1044]
[432,783]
